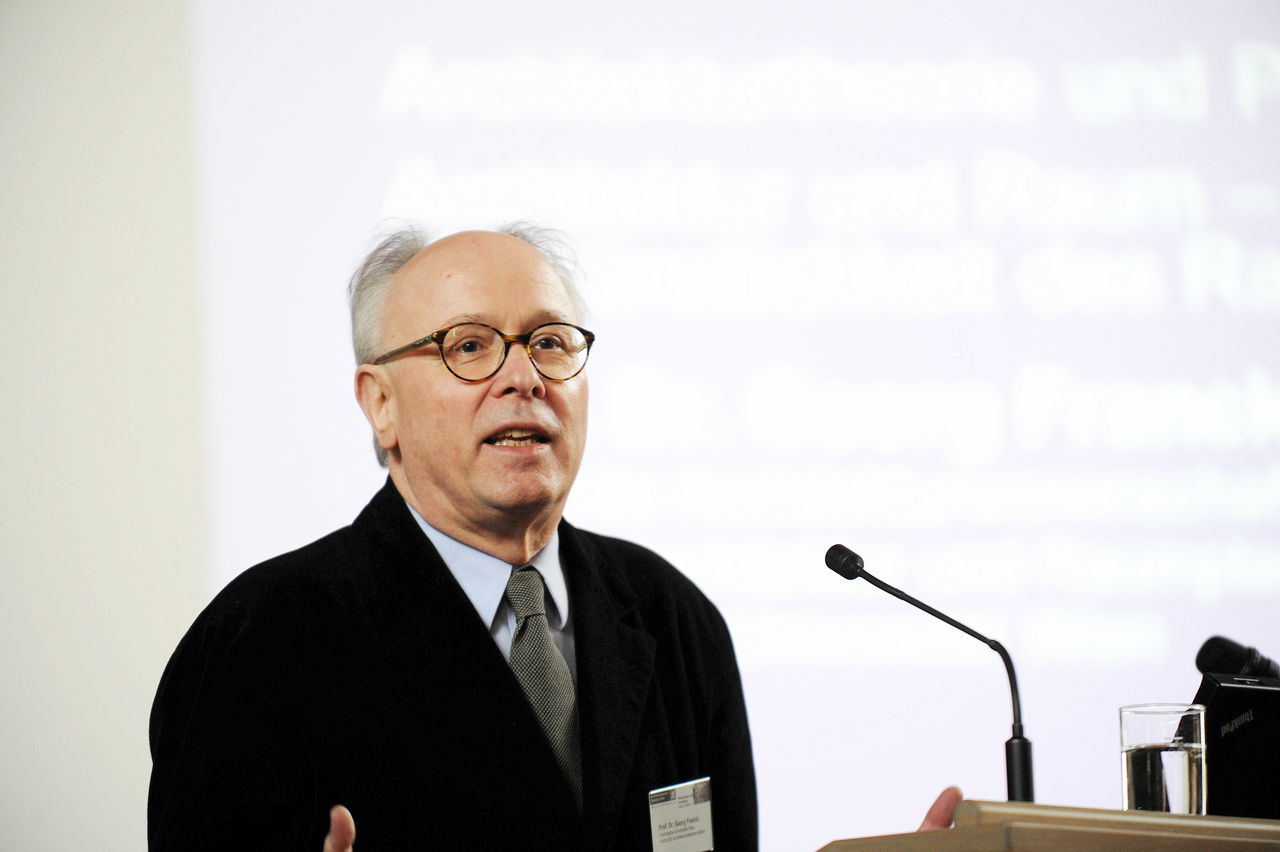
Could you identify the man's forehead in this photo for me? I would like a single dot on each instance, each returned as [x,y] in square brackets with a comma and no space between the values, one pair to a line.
[479,253]
[478,264]
[476,276]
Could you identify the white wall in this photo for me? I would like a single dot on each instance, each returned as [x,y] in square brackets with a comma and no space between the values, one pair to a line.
[102,549]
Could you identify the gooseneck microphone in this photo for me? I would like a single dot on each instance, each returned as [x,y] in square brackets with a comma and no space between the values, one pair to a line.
[1219,655]
[1017,749]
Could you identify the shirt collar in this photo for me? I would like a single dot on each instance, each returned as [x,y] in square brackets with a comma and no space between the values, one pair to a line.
[484,577]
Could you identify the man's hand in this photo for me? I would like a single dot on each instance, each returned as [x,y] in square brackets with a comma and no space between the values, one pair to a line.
[940,813]
[342,830]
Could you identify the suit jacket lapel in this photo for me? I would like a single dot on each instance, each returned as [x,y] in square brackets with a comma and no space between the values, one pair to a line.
[615,676]
[430,627]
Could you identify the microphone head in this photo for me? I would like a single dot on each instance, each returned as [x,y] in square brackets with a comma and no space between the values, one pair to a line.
[1220,655]
[844,562]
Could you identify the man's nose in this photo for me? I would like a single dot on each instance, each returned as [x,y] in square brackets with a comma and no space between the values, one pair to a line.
[518,375]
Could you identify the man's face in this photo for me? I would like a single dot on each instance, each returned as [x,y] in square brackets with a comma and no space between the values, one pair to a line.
[447,447]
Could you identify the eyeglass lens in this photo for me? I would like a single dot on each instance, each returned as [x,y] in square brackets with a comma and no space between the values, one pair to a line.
[475,352]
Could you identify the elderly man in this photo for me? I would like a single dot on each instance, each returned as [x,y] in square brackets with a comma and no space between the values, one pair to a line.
[460,667]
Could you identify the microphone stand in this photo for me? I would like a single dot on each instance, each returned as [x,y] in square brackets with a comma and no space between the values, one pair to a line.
[1017,749]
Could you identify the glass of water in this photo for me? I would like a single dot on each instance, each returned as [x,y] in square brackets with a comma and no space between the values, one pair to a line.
[1162,750]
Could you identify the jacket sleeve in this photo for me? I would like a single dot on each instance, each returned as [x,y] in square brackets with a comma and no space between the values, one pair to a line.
[227,767]
[734,810]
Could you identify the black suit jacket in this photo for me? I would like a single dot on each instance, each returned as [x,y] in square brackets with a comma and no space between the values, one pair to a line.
[356,671]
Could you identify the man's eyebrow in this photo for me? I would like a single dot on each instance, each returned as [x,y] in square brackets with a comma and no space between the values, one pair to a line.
[461,318]
[485,319]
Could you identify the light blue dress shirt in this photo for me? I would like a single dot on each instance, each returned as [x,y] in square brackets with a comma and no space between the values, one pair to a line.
[484,579]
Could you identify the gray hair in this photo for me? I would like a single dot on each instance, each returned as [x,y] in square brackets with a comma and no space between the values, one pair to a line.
[367,290]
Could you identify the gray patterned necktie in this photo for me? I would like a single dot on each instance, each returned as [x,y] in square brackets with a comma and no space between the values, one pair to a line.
[543,674]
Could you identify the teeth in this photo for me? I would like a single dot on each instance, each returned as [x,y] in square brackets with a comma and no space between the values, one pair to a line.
[515,438]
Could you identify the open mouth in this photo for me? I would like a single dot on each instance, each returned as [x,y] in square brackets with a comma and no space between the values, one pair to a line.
[516,438]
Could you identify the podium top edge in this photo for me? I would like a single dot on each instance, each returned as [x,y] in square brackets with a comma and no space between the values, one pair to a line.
[979,812]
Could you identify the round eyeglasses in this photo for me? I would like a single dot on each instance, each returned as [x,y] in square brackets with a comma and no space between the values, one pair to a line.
[474,351]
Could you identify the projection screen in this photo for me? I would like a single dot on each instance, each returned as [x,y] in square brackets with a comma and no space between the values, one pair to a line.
[988,292]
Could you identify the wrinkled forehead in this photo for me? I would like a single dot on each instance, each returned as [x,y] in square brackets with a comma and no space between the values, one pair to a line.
[478,275]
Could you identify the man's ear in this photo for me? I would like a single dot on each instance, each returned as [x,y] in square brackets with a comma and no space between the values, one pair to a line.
[377,399]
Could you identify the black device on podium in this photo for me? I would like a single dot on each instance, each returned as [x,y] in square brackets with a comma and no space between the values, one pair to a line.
[1241,697]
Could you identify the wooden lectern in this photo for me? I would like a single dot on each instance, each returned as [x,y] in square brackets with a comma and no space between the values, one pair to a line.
[1020,827]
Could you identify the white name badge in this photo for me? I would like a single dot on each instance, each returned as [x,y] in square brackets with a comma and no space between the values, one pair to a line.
[680,817]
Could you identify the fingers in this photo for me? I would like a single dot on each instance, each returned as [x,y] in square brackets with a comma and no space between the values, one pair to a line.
[941,812]
[342,830]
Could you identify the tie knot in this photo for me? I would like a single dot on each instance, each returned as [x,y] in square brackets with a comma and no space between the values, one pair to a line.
[525,593]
